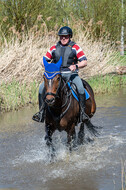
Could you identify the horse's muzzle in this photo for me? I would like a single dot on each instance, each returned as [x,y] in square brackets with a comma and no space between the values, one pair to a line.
[50,101]
[50,98]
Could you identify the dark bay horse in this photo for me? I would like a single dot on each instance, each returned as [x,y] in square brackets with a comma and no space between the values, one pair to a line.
[62,108]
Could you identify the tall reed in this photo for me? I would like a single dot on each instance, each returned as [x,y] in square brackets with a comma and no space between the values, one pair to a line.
[21,58]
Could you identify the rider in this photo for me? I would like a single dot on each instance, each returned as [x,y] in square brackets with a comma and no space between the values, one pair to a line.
[73,58]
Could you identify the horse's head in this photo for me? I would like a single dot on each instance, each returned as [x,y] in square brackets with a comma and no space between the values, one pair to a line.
[52,80]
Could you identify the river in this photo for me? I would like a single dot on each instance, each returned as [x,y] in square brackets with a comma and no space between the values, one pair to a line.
[25,159]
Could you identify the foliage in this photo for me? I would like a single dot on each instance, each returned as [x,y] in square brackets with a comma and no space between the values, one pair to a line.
[17,16]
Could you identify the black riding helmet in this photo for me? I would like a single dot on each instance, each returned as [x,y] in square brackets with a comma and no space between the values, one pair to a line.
[65,30]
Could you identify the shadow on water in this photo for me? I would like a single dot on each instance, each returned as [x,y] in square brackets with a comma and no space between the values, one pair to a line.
[25,159]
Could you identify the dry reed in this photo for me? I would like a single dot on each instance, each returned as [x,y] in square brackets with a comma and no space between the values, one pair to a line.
[22,60]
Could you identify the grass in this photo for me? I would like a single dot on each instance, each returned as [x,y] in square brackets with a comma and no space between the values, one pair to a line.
[123,59]
[107,83]
[16,95]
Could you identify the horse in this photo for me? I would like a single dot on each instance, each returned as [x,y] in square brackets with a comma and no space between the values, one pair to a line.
[62,109]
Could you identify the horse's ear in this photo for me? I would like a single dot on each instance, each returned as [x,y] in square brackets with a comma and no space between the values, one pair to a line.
[45,62]
[59,63]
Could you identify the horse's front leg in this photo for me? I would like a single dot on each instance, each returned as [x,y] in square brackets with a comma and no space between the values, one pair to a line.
[71,137]
[49,131]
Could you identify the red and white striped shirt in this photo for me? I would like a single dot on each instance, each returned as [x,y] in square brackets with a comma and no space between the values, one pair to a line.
[76,49]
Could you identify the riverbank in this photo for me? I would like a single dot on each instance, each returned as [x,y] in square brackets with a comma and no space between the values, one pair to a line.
[21,71]
[16,95]
[107,83]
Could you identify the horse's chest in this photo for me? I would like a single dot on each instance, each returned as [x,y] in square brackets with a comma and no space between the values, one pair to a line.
[63,124]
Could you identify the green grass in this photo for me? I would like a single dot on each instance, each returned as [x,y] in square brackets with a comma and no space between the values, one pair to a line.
[121,60]
[15,95]
[107,83]
[117,60]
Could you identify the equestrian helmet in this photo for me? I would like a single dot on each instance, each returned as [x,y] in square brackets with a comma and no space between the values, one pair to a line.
[65,30]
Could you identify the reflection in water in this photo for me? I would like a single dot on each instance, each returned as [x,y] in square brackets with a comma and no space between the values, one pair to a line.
[17,120]
[25,159]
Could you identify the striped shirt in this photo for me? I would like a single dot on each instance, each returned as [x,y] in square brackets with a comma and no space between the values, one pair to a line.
[76,49]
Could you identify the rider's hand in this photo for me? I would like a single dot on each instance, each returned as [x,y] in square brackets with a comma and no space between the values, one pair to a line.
[72,67]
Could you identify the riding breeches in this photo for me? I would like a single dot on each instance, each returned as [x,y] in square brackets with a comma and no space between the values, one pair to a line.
[76,80]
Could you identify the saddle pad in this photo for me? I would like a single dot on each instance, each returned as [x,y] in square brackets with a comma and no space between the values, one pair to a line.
[75,94]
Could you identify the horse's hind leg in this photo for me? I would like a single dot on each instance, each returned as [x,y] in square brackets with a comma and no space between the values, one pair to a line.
[81,134]
[71,138]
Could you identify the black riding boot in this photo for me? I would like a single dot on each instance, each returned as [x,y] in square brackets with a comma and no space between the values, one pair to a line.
[40,116]
[83,115]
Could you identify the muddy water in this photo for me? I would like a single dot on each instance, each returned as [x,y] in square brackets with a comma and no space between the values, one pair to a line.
[25,159]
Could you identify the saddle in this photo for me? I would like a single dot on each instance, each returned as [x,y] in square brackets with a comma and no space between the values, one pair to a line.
[75,92]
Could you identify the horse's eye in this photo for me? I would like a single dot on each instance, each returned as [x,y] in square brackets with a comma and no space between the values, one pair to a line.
[58,78]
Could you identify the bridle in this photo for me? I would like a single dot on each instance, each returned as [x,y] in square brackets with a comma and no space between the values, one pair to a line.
[58,95]
[57,92]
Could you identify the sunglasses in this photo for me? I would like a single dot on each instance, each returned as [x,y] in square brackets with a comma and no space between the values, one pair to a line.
[65,36]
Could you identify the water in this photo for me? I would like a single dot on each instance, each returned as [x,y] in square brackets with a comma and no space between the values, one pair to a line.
[25,159]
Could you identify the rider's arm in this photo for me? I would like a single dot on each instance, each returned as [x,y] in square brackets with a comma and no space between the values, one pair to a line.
[82,60]
[82,64]
[48,55]
[79,65]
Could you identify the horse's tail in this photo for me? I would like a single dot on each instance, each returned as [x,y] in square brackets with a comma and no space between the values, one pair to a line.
[92,128]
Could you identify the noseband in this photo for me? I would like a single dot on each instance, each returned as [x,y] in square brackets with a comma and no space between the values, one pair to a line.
[57,92]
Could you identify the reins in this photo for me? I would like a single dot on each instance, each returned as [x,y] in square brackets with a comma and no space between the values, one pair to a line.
[67,100]
[56,94]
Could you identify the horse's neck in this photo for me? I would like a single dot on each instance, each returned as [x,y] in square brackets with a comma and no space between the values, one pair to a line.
[64,93]
[62,100]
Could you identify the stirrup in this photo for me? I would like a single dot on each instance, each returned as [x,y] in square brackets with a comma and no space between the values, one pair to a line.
[38,117]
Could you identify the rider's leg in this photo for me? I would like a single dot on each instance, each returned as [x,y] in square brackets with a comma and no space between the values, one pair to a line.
[83,115]
[41,114]
[66,76]
[77,80]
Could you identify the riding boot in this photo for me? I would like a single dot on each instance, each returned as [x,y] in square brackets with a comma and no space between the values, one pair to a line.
[83,115]
[40,116]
